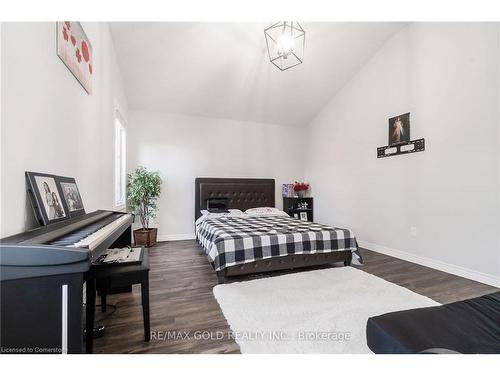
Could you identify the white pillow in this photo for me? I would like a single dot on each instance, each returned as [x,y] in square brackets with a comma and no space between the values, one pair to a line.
[232,212]
[262,210]
[265,211]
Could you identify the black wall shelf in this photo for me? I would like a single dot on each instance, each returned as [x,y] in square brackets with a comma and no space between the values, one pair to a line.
[401,148]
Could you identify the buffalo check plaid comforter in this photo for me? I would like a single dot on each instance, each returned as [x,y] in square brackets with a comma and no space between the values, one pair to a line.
[231,240]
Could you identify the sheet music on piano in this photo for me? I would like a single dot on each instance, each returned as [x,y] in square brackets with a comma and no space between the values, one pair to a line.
[127,255]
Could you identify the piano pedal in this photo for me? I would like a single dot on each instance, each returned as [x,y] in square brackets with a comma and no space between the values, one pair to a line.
[99,331]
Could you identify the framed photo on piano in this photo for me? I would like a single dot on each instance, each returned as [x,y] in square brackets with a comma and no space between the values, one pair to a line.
[45,195]
[53,198]
[71,196]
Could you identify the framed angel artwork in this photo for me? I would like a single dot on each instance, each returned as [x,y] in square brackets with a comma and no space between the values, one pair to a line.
[75,51]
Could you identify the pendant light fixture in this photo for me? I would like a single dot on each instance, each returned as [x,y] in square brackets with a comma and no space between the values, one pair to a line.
[285,43]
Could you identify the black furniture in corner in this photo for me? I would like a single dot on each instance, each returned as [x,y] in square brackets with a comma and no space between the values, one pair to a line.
[468,327]
[291,206]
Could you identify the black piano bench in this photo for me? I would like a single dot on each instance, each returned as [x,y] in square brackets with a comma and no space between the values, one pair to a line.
[106,278]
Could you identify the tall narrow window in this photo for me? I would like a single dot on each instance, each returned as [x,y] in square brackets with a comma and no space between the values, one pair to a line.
[120,159]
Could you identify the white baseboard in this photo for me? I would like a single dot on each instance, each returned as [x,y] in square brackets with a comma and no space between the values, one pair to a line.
[436,264]
[176,237]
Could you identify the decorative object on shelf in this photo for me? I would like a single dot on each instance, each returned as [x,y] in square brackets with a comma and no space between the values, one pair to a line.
[303,205]
[303,216]
[399,138]
[75,51]
[399,129]
[143,191]
[301,188]
[287,190]
[285,41]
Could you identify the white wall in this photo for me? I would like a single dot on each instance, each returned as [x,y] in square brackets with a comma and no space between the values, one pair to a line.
[182,148]
[49,123]
[447,76]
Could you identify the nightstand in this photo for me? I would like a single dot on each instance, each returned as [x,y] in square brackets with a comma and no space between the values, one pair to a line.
[291,207]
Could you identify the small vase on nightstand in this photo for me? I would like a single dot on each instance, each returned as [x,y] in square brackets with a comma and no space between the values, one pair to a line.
[301,188]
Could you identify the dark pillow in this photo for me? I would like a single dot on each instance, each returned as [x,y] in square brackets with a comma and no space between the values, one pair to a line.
[218,204]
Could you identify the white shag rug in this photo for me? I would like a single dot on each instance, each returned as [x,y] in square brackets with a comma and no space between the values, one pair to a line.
[322,311]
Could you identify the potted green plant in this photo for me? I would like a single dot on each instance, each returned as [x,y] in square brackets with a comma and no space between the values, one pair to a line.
[143,191]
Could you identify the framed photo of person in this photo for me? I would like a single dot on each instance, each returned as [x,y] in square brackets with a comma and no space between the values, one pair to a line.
[71,196]
[399,129]
[45,196]
[303,216]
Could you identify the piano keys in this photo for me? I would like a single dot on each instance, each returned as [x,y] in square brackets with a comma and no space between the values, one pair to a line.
[93,235]
[95,231]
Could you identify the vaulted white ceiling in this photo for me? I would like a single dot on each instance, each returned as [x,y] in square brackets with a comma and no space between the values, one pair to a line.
[222,69]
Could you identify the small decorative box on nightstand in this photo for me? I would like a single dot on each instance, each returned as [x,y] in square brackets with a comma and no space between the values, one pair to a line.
[300,208]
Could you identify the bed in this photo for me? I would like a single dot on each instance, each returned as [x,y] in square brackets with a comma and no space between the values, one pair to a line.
[244,244]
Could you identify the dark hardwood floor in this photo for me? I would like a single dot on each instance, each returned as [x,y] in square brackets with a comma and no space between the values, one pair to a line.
[181,299]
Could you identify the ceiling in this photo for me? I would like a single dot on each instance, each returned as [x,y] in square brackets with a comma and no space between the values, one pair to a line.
[222,70]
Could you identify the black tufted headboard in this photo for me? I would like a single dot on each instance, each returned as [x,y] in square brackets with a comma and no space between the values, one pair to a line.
[241,193]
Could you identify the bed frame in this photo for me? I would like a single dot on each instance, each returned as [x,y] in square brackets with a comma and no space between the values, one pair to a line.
[245,193]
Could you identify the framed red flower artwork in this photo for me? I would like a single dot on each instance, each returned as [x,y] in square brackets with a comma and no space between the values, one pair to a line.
[75,50]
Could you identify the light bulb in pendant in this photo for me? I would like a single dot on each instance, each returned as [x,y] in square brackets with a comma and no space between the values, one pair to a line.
[285,45]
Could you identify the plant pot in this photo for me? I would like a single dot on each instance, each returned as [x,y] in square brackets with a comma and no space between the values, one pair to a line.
[145,237]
